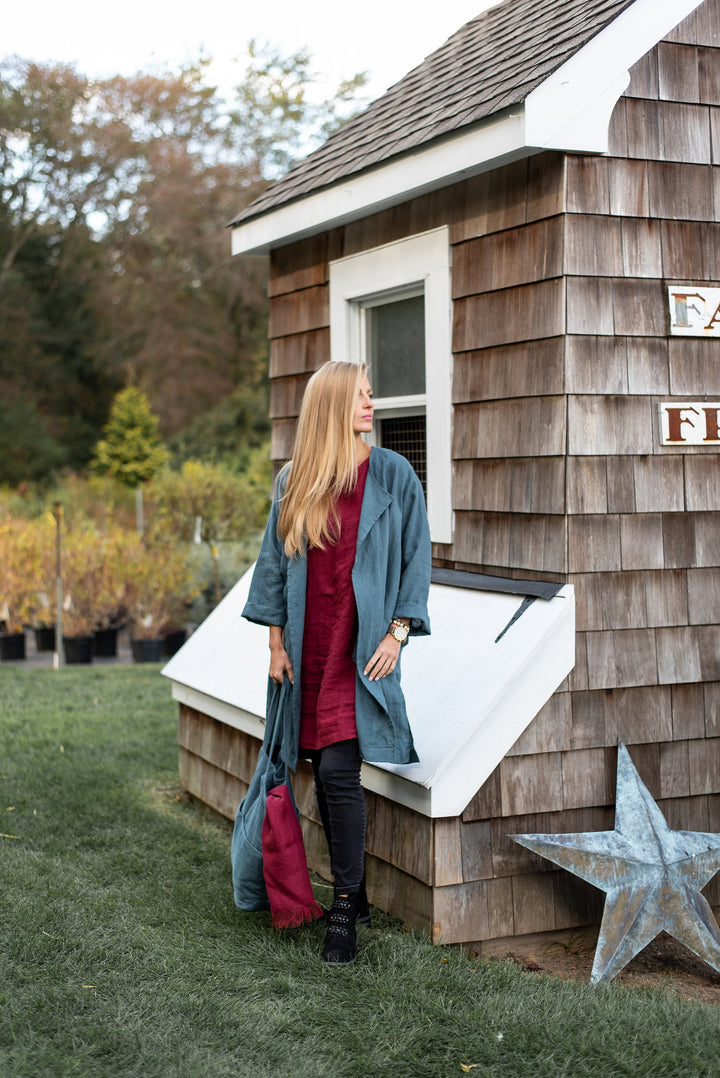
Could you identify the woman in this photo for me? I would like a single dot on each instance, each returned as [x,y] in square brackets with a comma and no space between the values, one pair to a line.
[342,580]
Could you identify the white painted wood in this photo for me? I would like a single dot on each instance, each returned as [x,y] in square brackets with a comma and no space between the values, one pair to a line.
[468,698]
[571,109]
[420,261]
[689,422]
[694,310]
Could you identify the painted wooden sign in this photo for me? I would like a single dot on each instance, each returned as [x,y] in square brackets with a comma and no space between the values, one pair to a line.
[689,422]
[694,311]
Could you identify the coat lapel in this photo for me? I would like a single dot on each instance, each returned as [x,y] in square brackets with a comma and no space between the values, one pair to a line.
[376,499]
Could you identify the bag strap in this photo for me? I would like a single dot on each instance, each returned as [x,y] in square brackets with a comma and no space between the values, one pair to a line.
[277,702]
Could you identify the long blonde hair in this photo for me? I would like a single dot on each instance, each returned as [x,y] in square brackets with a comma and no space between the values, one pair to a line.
[324,463]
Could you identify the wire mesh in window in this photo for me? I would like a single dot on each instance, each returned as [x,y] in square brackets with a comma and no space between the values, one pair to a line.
[407,435]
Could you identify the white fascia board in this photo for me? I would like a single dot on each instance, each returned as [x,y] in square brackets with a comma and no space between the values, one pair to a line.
[571,110]
[497,141]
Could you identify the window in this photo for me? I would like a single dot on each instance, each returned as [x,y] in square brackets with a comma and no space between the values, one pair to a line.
[395,355]
[390,308]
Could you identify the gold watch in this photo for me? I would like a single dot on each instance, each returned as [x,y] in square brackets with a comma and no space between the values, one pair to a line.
[399,630]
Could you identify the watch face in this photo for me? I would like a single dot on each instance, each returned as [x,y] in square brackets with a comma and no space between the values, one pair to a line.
[400,632]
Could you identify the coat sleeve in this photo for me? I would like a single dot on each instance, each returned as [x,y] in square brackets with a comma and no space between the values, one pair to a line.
[414,587]
[267,598]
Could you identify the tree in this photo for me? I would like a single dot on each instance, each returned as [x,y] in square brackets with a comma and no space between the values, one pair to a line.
[131,451]
[115,261]
[208,503]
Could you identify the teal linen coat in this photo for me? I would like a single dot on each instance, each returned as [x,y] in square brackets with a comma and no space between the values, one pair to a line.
[391,578]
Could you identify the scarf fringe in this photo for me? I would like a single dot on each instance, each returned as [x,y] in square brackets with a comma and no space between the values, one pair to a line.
[296,916]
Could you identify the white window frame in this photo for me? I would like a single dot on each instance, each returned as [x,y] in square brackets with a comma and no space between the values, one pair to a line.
[416,265]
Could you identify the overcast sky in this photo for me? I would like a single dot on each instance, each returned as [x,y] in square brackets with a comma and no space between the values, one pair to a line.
[385,37]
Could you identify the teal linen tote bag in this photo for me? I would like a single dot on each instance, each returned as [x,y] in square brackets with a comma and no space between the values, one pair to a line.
[246,850]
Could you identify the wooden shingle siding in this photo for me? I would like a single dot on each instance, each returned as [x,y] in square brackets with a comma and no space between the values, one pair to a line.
[689,706]
[535,485]
[690,250]
[550,730]
[644,79]
[593,246]
[610,600]
[282,439]
[521,255]
[596,365]
[614,425]
[628,188]
[619,658]
[682,192]
[594,544]
[587,487]
[659,483]
[642,247]
[498,542]
[693,367]
[647,365]
[703,596]
[666,596]
[286,395]
[528,369]
[534,426]
[302,265]
[641,541]
[702,27]
[299,353]
[512,314]
[702,482]
[298,312]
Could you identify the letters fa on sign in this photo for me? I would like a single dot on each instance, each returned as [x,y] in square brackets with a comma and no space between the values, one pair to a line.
[694,311]
[690,423]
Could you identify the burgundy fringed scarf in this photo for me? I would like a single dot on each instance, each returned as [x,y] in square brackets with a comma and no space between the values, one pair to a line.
[287,879]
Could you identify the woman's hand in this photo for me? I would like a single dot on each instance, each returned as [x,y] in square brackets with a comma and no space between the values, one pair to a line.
[279,659]
[384,659]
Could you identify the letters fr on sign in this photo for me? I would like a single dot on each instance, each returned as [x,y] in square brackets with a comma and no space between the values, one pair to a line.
[694,312]
[690,422]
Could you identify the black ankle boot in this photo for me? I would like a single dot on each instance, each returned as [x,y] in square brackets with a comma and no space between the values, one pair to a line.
[362,916]
[340,948]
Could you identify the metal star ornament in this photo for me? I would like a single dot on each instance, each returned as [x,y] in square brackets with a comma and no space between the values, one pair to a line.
[652,876]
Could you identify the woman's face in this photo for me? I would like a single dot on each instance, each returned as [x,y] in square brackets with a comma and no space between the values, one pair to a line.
[363,414]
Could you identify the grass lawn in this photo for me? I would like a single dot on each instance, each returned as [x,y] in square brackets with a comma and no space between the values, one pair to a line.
[121,953]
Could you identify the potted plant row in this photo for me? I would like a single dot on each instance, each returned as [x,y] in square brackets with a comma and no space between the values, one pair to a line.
[109,577]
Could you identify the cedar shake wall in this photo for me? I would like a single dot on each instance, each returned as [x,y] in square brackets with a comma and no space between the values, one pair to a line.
[561,354]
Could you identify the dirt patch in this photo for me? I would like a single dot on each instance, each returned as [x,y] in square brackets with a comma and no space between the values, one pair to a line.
[664,963]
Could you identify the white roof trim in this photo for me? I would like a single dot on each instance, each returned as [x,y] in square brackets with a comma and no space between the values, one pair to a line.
[569,111]
[471,152]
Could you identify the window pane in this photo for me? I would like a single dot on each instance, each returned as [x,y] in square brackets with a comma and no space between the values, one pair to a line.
[397,347]
[406,434]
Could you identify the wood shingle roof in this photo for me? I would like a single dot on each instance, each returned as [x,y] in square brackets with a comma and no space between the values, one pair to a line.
[490,64]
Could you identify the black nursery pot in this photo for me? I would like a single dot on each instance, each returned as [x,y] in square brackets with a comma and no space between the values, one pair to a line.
[172,642]
[105,643]
[78,649]
[147,651]
[12,646]
[45,638]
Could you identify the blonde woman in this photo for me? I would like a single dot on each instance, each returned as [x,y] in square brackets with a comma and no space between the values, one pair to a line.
[342,581]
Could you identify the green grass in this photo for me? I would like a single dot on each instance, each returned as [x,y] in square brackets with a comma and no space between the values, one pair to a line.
[121,953]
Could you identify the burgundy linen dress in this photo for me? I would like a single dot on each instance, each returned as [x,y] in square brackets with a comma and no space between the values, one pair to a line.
[330,632]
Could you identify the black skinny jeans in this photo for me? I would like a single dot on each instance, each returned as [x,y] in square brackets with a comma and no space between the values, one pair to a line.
[341,802]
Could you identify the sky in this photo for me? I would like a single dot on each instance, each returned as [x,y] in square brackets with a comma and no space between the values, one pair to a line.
[386,38]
